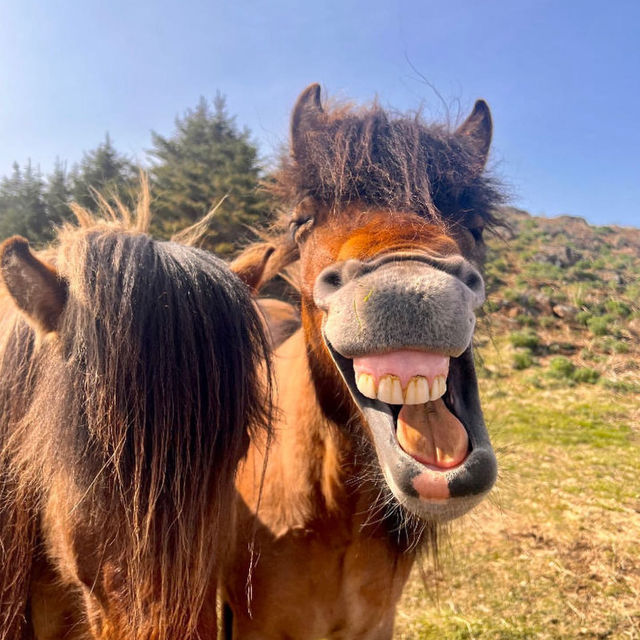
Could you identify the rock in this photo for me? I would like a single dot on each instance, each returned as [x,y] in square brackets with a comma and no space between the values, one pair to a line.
[565,311]
[558,256]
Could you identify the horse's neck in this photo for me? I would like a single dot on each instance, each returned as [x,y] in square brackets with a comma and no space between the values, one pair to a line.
[312,465]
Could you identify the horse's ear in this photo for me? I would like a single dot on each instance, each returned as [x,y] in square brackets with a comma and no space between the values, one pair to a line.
[477,129]
[259,263]
[251,264]
[307,115]
[35,286]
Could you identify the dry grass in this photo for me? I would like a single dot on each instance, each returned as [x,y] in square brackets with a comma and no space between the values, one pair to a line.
[555,551]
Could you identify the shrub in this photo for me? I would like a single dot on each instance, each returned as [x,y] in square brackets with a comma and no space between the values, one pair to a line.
[544,271]
[623,386]
[583,317]
[587,354]
[525,321]
[561,367]
[620,347]
[522,360]
[525,339]
[618,308]
[598,325]
[585,374]
[611,345]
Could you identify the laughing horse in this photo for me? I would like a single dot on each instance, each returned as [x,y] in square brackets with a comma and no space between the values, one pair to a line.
[379,435]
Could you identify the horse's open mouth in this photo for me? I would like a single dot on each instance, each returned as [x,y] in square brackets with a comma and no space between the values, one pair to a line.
[414,384]
[423,410]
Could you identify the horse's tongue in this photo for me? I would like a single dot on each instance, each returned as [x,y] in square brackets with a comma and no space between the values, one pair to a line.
[431,434]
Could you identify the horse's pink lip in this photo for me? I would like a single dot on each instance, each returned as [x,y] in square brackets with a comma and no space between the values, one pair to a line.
[403,364]
[432,485]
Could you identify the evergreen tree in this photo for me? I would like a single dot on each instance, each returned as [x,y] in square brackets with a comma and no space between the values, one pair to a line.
[106,171]
[206,159]
[22,205]
[58,194]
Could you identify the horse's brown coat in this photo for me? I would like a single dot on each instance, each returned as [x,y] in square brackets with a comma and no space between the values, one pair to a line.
[125,407]
[324,550]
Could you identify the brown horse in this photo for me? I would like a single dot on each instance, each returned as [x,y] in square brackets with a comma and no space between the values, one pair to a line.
[131,379]
[379,432]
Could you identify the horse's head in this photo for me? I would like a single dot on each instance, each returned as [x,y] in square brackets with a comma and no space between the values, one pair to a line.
[388,226]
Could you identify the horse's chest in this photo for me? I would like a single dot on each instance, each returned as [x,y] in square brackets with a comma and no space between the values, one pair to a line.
[310,586]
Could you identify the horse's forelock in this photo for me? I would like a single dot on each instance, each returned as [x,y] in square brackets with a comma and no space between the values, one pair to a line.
[386,160]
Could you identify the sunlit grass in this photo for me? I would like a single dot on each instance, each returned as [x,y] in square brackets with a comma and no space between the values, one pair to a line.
[555,551]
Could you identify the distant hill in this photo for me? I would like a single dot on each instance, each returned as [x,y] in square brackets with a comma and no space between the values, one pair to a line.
[564,296]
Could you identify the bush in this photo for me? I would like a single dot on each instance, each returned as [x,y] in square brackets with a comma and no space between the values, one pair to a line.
[547,321]
[587,354]
[620,347]
[618,308]
[583,317]
[585,374]
[544,271]
[598,325]
[522,360]
[611,345]
[491,305]
[524,320]
[525,339]
[561,367]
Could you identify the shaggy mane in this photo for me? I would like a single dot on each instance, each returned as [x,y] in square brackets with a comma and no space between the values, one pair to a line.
[390,161]
[144,404]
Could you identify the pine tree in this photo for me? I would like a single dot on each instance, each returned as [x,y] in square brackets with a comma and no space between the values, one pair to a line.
[58,194]
[206,159]
[22,205]
[106,171]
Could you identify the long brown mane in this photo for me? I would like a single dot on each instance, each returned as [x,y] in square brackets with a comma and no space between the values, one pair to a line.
[143,400]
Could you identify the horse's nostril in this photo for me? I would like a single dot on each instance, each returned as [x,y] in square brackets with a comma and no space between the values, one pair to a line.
[473,281]
[332,279]
[329,281]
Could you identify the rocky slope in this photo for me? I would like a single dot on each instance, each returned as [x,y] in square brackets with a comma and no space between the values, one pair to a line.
[564,298]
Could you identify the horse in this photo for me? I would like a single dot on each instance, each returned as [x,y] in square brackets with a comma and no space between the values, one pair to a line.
[379,436]
[133,374]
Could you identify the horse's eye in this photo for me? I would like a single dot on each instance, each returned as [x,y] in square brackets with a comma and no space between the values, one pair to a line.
[299,226]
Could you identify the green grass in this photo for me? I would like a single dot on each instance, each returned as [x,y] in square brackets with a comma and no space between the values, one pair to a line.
[555,550]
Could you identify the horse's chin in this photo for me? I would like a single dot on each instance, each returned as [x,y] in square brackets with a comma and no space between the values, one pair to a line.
[434,487]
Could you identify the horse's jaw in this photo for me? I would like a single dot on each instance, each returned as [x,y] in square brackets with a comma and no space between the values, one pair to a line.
[430,491]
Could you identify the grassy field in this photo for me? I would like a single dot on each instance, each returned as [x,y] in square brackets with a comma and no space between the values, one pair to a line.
[555,551]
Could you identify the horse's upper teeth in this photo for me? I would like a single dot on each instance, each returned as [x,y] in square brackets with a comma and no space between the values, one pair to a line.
[438,387]
[366,385]
[417,391]
[388,388]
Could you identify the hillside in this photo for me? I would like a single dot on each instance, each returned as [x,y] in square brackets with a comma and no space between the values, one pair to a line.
[566,297]
[554,552]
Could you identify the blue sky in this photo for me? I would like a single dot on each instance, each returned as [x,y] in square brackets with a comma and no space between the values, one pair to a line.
[562,79]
